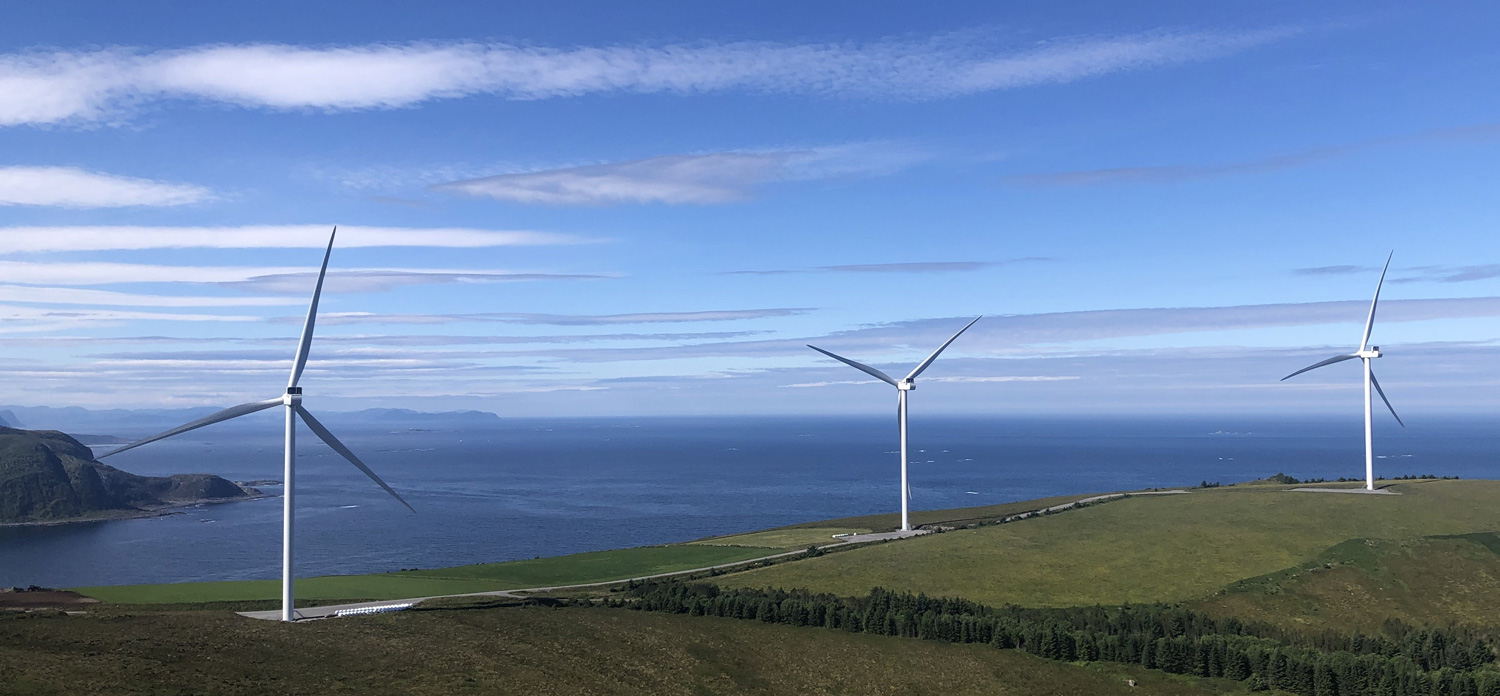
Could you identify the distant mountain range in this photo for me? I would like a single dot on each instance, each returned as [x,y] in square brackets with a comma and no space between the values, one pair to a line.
[129,424]
[47,476]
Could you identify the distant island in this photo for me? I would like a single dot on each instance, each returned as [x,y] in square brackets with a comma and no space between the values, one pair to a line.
[48,477]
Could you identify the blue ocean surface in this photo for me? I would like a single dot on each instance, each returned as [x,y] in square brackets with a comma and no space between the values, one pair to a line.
[547,487]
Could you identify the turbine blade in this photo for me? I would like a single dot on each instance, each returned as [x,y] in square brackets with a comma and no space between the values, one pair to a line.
[935,353]
[339,447]
[1370,322]
[1381,392]
[858,366]
[1330,361]
[305,344]
[224,415]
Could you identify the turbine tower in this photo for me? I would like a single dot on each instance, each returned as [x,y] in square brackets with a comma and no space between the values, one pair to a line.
[1366,353]
[906,384]
[292,400]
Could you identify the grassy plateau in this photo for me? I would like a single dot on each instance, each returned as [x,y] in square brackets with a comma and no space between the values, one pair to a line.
[1141,549]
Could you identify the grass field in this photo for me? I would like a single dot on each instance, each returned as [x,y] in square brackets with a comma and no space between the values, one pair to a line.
[1356,585]
[1141,549]
[522,651]
[597,566]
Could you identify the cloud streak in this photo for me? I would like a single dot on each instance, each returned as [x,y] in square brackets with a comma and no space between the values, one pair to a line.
[909,267]
[53,239]
[68,187]
[63,87]
[268,279]
[703,179]
[1030,333]
[74,296]
[560,319]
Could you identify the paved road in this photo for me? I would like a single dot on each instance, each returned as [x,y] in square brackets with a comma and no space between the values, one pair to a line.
[1377,491]
[327,611]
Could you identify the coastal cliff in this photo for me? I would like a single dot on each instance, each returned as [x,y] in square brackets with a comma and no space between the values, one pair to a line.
[48,477]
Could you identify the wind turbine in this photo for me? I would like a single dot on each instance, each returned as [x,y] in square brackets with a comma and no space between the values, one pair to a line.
[292,400]
[906,384]
[1365,353]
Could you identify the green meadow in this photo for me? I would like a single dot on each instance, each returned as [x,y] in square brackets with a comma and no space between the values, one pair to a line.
[1141,549]
[599,566]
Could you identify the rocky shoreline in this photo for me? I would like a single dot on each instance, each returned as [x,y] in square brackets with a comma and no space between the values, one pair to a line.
[173,508]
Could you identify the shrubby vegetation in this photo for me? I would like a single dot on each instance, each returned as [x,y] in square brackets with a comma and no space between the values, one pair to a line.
[1403,661]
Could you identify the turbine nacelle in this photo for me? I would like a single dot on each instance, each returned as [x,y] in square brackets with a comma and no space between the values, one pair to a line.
[1373,352]
[292,397]
[906,385]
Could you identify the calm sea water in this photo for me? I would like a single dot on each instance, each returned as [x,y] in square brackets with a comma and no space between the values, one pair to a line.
[547,487]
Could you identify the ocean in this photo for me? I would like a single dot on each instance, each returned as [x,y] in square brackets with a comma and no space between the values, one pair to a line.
[547,487]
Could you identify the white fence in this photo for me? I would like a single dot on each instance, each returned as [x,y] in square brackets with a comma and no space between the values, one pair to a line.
[382,609]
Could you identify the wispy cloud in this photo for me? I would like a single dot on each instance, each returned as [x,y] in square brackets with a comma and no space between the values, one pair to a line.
[1176,173]
[75,296]
[382,279]
[910,267]
[48,239]
[268,279]
[40,318]
[950,379]
[1333,270]
[1451,274]
[68,187]
[716,177]
[1005,378]
[560,319]
[1030,333]
[101,86]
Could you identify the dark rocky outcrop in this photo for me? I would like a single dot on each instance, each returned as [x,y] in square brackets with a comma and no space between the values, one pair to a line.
[47,476]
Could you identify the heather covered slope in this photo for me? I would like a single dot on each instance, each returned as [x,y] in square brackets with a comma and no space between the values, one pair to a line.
[529,651]
[47,476]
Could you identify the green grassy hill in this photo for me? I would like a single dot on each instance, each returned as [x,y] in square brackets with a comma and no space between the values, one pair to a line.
[523,651]
[1142,549]
[1361,583]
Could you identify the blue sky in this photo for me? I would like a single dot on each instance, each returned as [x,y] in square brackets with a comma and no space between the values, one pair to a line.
[602,209]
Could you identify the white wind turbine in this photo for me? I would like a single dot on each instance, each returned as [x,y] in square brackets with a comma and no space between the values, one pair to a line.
[906,384]
[292,400]
[1366,353]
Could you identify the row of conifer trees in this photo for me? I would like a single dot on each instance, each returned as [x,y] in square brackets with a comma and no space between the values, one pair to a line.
[1403,661]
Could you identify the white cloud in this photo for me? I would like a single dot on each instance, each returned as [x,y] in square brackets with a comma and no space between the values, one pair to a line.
[105,273]
[835,383]
[61,318]
[95,86]
[40,239]
[75,296]
[558,319]
[716,177]
[271,279]
[1006,378]
[67,187]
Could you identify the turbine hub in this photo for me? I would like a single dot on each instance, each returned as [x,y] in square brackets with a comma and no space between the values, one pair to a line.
[906,385]
[1373,352]
[293,396]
